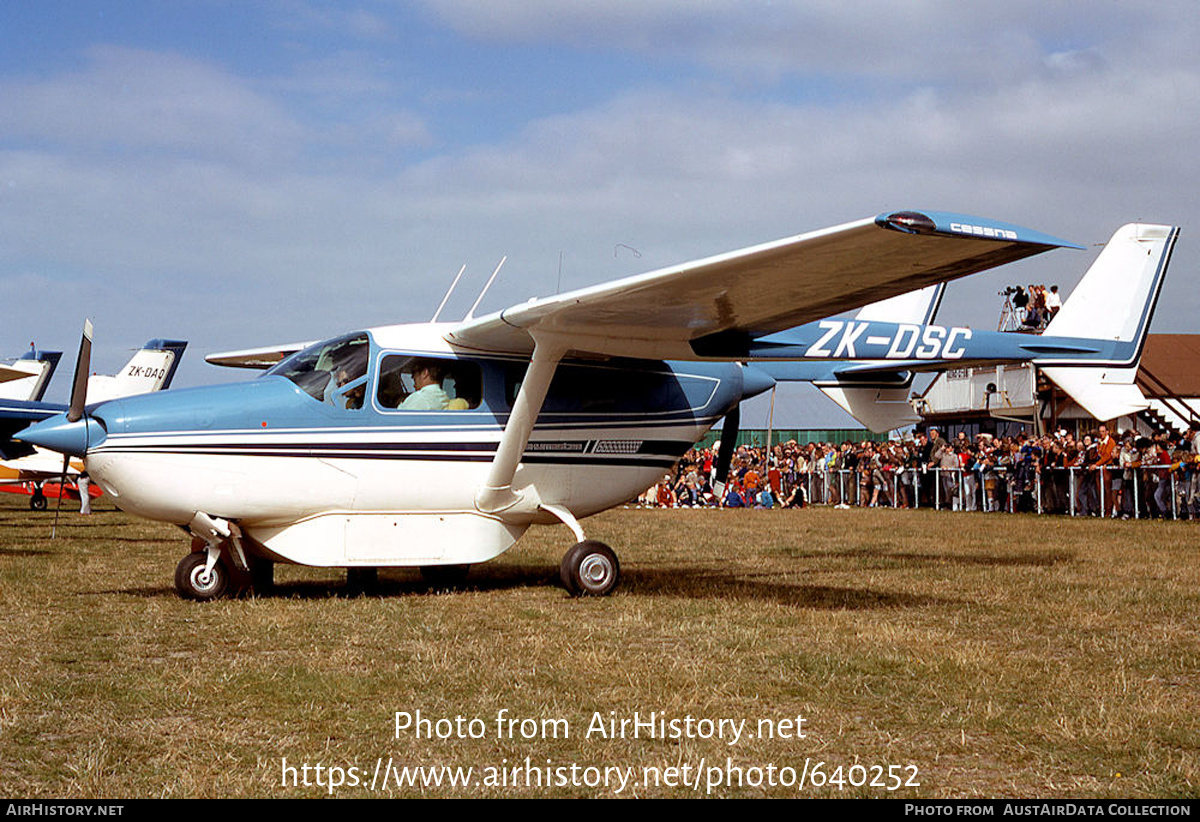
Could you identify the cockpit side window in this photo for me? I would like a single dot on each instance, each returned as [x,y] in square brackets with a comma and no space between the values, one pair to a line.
[334,371]
[408,383]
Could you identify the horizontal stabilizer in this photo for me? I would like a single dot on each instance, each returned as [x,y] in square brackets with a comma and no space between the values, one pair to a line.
[920,307]
[877,398]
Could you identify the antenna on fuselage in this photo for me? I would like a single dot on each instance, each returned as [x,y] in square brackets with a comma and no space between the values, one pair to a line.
[479,299]
[449,291]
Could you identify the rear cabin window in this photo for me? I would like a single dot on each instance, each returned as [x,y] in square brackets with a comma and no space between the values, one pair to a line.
[608,390]
[408,383]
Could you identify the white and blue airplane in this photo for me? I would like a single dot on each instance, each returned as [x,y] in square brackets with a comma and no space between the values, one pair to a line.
[438,445]
[151,368]
[28,376]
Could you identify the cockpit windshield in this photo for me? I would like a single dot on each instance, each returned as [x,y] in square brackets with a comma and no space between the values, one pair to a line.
[328,370]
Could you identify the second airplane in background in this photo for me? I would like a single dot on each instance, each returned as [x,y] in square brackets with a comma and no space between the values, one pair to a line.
[151,368]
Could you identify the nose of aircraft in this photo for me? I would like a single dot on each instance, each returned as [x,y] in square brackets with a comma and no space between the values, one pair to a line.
[755,381]
[60,434]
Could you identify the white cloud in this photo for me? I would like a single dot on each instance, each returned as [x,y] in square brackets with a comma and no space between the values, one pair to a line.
[194,190]
[300,15]
[894,43]
[144,101]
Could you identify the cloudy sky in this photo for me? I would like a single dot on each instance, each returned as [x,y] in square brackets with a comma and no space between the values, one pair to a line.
[239,174]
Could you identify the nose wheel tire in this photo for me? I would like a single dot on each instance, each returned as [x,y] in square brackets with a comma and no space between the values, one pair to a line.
[590,568]
[193,583]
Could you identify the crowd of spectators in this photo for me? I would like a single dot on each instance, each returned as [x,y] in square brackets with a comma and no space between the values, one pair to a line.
[1099,474]
[1036,306]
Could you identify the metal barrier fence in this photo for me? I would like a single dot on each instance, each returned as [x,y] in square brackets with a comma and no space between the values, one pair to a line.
[1105,492]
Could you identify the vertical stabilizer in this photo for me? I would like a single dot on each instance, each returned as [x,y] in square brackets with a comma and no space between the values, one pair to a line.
[1115,302]
[884,407]
[28,377]
[150,369]
[916,307]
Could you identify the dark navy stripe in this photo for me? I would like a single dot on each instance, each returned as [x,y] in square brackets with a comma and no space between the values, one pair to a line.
[655,461]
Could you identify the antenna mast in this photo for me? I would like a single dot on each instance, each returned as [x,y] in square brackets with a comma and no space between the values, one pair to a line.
[479,299]
[437,313]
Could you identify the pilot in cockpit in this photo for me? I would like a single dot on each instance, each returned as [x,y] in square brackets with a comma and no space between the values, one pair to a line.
[349,365]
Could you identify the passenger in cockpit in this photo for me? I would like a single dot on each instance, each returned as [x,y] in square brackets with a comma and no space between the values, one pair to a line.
[429,395]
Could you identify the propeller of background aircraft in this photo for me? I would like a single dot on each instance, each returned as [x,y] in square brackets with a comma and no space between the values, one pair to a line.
[75,410]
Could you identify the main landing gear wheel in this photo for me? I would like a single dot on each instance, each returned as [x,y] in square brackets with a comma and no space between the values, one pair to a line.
[37,502]
[193,583]
[590,568]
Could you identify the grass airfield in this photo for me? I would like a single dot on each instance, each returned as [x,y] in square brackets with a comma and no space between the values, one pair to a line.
[977,655]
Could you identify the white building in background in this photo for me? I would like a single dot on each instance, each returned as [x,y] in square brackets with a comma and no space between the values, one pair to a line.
[1005,399]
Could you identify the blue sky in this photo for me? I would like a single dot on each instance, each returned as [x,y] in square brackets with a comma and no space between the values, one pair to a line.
[239,174]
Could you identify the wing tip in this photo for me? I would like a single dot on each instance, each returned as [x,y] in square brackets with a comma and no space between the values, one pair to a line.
[949,224]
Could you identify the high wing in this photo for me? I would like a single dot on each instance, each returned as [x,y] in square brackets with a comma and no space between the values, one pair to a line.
[257,357]
[671,313]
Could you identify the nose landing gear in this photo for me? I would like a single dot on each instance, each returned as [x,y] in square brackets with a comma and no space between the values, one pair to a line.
[194,579]
[218,564]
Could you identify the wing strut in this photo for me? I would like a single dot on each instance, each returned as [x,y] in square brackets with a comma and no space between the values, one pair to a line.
[497,495]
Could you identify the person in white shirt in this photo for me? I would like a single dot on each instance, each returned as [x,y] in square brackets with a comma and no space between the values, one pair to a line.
[1053,302]
[428,396]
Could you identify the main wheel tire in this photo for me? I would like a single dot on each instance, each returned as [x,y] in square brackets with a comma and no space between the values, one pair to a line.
[192,583]
[37,502]
[444,576]
[590,568]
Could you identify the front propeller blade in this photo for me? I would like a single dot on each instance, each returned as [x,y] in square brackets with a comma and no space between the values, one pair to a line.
[82,363]
[75,410]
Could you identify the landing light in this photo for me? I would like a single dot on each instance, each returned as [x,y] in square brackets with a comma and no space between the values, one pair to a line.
[912,222]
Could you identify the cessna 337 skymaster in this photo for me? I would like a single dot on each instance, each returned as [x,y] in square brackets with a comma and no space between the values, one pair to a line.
[545,412]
